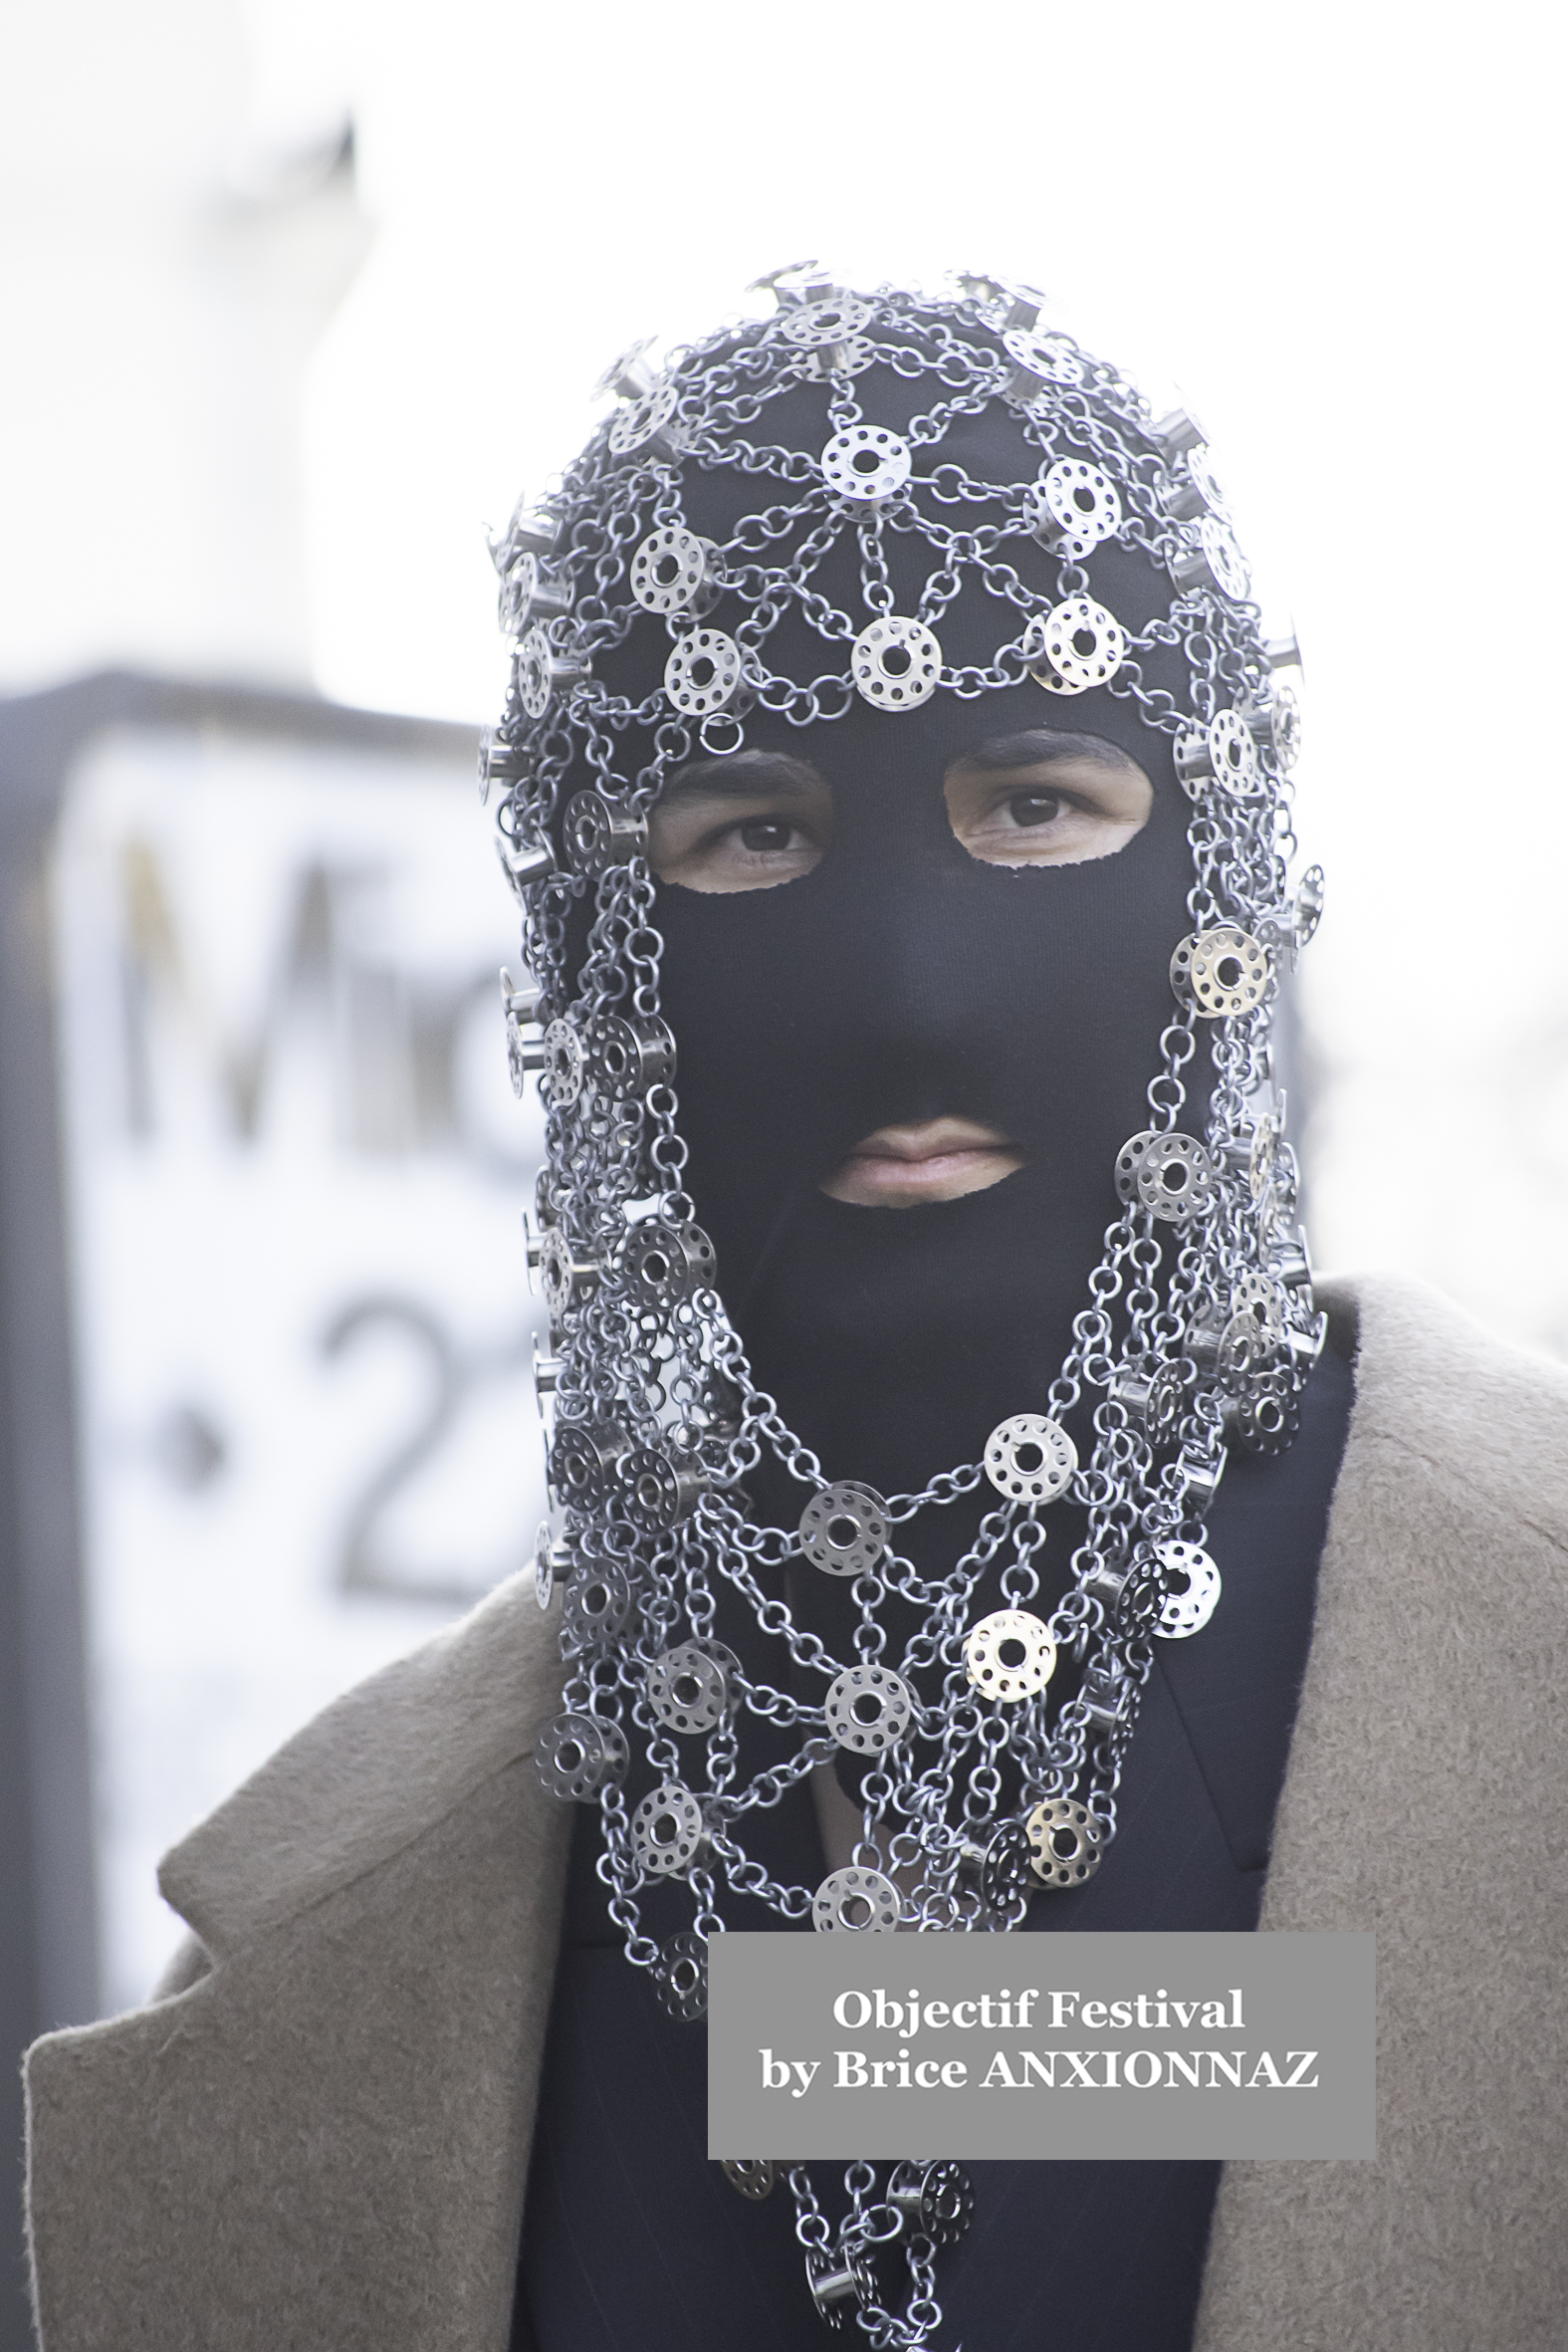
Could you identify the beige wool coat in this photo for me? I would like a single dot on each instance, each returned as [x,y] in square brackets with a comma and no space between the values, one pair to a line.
[316,2139]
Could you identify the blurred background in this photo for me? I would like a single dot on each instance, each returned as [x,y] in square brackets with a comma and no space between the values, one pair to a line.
[297,296]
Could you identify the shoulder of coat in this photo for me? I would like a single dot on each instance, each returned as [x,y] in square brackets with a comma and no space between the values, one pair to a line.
[372,1773]
[1469,1411]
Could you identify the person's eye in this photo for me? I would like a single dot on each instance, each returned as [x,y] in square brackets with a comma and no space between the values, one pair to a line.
[1036,808]
[761,833]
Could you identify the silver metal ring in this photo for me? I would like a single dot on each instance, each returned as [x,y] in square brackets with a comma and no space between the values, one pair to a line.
[1009,1656]
[1029,1458]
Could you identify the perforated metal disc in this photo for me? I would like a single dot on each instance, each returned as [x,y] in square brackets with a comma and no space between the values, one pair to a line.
[577,1755]
[1163,1407]
[535,677]
[1029,1458]
[753,2176]
[661,1264]
[936,2199]
[1233,754]
[565,1063]
[1255,1294]
[667,1833]
[844,1529]
[1309,904]
[599,1601]
[704,672]
[1189,1610]
[689,1687]
[896,663]
[1284,726]
[1225,971]
[1067,1842]
[1172,1176]
[1082,645]
[867,463]
[1077,506]
[1050,358]
[544,1565]
[869,1709]
[673,569]
[1226,560]
[635,424]
[861,1901]
[659,1490]
[1009,1656]
[834,320]
[679,1977]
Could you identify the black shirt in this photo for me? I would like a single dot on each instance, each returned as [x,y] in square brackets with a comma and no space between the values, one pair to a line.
[633,2241]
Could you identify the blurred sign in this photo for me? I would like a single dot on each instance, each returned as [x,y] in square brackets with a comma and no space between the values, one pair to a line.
[302,1325]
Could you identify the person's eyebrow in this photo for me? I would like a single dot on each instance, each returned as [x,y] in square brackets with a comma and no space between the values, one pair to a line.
[742,776]
[1039,747]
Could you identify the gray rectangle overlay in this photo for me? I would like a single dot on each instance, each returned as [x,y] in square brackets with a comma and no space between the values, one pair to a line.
[1065,2045]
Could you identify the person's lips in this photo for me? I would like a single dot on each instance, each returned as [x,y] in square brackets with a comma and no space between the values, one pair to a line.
[939,1160]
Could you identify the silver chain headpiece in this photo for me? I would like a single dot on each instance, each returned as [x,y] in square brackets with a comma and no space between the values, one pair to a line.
[657,1420]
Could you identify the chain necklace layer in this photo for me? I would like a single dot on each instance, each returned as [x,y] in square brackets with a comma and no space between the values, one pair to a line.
[1198,1328]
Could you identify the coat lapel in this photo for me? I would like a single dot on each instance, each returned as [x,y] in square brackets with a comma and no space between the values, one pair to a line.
[1427,1778]
[324,2140]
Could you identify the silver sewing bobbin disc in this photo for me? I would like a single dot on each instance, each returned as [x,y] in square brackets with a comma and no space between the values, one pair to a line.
[753,2176]
[1172,1176]
[1010,1655]
[674,571]
[668,1834]
[704,673]
[1221,973]
[861,1901]
[644,419]
[565,1063]
[1029,1458]
[896,665]
[1074,506]
[1226,560]
[867,463]
[1188,1611]
[690,1687]
[937,2200]
[844,1529]
[832,319]
[869,1709]
[579,1755]
[1067,1842]
[679,1977]
[1077,644]
[599,1601]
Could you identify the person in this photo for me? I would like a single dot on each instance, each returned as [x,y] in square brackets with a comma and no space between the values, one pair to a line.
[971,1513]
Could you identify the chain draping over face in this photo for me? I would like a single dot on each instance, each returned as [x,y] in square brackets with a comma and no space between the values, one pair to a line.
[879,533]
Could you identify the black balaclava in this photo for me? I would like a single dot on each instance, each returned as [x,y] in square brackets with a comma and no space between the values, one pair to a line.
[904,978]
